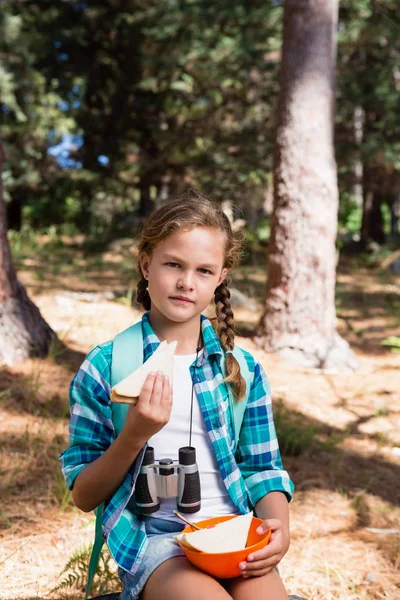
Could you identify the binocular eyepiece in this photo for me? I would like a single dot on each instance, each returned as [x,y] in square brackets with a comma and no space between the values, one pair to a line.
[166,479]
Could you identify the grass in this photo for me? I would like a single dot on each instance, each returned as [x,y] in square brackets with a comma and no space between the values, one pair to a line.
[5,518]
[62,494]
[381,412]
[5,394]
[50,256]
[294,437]
[29,468]
[393,342]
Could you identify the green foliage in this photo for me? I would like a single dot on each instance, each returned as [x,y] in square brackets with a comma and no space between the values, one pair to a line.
[5,518]
[393,342]
[10,31]
[260,235]
[22,242]
[176,94]
[75,573]
[31,112]
[386,218]
[45,245]
[256,241]
[169,93]
[368,102]
[350,215]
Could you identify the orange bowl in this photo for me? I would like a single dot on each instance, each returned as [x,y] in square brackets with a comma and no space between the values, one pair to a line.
[225,565]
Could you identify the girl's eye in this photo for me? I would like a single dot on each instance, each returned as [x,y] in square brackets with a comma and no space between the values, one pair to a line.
[175,265]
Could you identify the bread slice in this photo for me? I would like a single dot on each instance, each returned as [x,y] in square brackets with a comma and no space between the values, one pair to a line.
[128,389]
[227,536]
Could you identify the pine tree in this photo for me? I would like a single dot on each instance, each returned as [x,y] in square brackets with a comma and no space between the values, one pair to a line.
[299,316]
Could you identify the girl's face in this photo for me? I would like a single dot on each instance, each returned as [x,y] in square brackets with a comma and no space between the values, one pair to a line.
[183,272]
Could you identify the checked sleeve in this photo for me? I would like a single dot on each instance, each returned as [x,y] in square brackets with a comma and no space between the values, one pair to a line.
[91,430]
[260,459]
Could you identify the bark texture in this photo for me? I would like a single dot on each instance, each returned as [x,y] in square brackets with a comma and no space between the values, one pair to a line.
[299,317]
[23,331]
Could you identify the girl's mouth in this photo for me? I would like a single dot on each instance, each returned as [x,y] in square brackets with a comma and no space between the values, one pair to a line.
[181,299]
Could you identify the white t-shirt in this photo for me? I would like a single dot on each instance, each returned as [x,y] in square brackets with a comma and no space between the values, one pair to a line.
[215,499]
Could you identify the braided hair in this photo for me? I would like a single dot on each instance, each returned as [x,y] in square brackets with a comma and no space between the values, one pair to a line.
[186,211]
[142,293]
[226,334]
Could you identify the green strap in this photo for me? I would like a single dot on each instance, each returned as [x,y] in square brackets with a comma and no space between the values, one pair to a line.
[238,407]
[127,355]
[96,550]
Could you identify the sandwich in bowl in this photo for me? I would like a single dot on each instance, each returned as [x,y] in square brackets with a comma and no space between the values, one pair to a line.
[227,536]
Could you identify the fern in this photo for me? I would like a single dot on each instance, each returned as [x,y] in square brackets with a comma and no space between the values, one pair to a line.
[75,573]
[393,342]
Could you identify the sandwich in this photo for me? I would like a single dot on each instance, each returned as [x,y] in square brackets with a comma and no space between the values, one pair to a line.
[128,389]
[227,536]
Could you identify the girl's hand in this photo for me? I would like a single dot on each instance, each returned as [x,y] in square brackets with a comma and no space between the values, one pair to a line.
[152,410]
[264,560]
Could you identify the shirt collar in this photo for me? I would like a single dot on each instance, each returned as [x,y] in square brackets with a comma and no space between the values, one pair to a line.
[212,345]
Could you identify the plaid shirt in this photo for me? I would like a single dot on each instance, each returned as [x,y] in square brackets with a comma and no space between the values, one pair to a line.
[254,472]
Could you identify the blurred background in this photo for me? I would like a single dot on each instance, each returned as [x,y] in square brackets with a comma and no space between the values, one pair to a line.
[288,114]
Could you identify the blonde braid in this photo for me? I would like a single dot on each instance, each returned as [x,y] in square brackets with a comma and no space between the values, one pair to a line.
[226,334]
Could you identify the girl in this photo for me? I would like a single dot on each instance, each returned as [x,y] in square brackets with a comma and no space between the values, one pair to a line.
[186,250]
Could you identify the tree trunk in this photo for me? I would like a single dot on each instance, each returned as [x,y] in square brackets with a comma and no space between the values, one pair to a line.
[299,316]
[375,228]
[14,209]
[146,204]
[376,225]
[23,331]
[358,166]
[372,227]
[394,207]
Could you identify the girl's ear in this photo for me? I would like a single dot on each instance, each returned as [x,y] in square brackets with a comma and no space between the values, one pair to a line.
[222,276]
[144,262]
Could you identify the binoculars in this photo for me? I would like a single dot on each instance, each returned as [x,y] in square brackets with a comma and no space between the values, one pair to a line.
[166,479]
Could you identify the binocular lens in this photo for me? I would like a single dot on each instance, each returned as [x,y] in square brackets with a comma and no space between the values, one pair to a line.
[187,455]
[148,458]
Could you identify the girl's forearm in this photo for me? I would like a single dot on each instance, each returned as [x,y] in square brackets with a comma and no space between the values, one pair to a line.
[274,506]
[99,480]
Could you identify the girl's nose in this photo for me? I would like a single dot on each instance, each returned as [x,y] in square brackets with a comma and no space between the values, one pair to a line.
[186,281]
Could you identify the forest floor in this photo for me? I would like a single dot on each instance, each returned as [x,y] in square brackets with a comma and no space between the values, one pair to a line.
[340,431]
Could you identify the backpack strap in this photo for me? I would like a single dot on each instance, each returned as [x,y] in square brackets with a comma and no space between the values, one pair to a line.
[238,407]
[127,355]
[96,550]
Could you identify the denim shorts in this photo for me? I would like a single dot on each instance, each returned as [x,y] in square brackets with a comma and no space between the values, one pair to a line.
[161,546]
